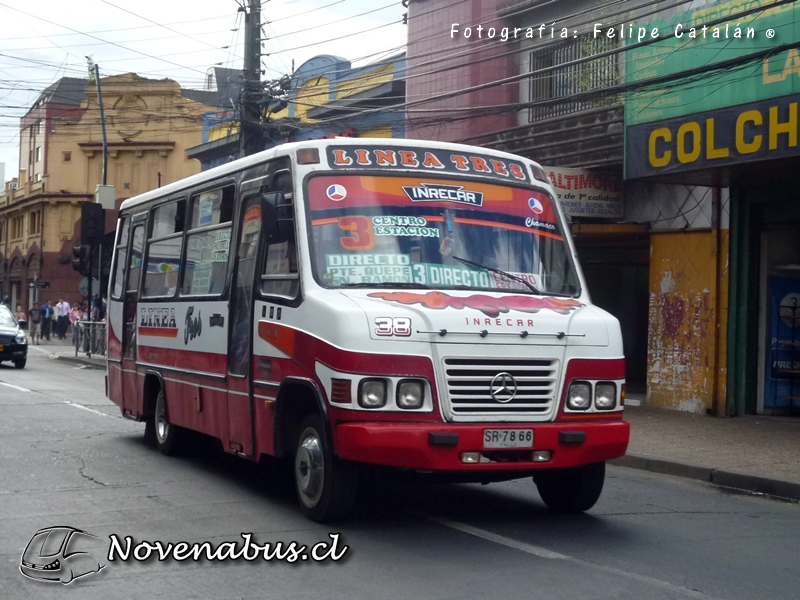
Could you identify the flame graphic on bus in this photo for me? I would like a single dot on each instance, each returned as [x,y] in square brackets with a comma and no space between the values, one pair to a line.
[488,305]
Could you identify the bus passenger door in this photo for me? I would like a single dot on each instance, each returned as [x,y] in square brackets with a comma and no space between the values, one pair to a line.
[240,338]
[130,321]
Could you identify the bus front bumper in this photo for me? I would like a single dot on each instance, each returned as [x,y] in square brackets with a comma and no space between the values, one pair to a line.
[447,447]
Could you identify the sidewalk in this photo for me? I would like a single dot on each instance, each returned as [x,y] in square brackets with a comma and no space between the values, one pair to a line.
[759,454]
[65,350]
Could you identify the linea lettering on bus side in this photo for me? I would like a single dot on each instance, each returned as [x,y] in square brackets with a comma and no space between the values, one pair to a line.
[157,317]
[370,157]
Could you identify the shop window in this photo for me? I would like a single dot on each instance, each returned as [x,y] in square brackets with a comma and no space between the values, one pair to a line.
[16,228]
[564,82]
[34,223]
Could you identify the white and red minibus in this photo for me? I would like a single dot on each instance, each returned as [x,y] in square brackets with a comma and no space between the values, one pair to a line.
[402,303]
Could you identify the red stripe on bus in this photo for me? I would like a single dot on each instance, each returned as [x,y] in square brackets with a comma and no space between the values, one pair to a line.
[159,331]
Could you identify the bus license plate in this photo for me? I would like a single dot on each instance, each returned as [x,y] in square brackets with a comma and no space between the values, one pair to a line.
[508,438]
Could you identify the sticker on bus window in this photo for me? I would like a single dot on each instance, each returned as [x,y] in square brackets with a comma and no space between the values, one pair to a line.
[367,268]
[403,226]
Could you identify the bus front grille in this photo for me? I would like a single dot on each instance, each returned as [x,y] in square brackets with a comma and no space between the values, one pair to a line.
[501,386]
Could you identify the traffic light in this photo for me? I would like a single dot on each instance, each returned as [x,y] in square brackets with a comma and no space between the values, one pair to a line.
[93,223]
[81,261]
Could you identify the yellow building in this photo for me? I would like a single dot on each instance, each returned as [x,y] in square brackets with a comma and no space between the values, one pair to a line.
[149,126]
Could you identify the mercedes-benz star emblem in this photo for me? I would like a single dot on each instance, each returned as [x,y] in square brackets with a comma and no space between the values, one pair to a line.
[503,387]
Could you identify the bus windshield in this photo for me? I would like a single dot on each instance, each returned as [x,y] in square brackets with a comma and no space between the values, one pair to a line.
[386,231]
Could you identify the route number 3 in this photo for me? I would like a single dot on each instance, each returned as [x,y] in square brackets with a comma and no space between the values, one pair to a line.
[399,326]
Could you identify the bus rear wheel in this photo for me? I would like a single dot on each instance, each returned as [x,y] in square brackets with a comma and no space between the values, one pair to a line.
[571,490]
[326,486]
[167,436]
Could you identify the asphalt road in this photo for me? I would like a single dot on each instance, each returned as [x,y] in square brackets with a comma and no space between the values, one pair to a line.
[68,459]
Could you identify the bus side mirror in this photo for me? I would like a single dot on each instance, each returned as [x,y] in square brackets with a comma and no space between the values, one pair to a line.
[277,214]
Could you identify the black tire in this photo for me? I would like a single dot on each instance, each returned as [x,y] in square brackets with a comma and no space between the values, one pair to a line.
[20,364]
[168,437]
[150,431]
[326,486]
[571,490]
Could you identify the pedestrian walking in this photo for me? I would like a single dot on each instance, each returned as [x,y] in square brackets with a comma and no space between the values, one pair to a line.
[47,313]
[35,320]
[76,315]
[21,317]
[62,318]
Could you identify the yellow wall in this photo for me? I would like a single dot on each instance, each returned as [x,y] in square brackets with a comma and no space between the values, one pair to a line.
[150,126]
[688,320]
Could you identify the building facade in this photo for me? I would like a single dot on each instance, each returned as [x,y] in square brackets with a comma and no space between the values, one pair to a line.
[654,250]
[150,124]
[325,97]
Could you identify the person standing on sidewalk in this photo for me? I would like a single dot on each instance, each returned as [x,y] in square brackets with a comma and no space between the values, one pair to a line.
[47,318]
[62,318]
[35,320]
[75,316]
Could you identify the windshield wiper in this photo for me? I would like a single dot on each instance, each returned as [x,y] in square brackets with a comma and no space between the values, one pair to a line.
[509,275]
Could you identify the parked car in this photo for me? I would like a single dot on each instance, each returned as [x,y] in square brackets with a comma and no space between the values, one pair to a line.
[13,343]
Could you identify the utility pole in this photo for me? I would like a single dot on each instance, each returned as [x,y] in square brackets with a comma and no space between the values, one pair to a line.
[251,136]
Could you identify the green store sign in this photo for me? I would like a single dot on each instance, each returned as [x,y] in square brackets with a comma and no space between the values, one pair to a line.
[696,43]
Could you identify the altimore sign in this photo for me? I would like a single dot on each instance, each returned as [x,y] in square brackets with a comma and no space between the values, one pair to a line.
[745,133]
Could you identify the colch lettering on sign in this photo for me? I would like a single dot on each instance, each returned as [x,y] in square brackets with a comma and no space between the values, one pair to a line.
[370,157]
[433,192]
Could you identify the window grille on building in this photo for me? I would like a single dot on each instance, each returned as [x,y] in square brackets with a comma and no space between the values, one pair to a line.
[571,79]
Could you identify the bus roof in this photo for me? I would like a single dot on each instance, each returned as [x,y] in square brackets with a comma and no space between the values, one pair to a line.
[290,148]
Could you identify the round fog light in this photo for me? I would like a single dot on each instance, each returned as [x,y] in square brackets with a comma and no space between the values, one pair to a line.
[410,394]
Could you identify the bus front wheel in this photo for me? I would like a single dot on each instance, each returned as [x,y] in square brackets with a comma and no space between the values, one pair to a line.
[326,486]
[571,490]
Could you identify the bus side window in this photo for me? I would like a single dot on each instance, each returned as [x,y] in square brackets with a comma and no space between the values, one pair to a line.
[121,258]
[205,265]
[132,291]
[164,250]
[280,276]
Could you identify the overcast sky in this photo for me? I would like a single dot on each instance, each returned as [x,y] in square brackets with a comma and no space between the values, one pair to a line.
[45,40]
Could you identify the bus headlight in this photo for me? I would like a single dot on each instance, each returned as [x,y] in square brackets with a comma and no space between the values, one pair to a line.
[372,393]
[579,396]
[605,395]
[410,394]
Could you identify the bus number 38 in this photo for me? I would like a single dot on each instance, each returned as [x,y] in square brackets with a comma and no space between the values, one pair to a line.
[400,326]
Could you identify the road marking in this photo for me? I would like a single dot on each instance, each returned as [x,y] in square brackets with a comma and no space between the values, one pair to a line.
[545,553]
[493,537]
[16,387]
[76,405]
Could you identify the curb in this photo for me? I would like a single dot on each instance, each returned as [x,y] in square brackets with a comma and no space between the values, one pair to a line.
[95,363]
[784,490]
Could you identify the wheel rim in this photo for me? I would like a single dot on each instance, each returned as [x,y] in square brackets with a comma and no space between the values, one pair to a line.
[162,425]
[309,468]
